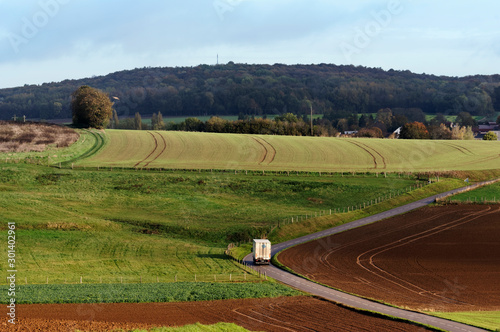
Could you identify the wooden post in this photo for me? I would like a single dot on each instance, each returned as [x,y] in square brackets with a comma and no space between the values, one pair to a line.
[81,279]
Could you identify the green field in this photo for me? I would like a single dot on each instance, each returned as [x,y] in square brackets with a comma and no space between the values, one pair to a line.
[487,194]
[486,319]
[182,150]
[144,293]
[103,225]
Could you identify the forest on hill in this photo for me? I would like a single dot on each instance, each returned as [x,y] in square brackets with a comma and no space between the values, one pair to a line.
[242,89]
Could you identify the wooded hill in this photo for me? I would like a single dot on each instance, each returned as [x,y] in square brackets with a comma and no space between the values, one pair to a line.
[234,89]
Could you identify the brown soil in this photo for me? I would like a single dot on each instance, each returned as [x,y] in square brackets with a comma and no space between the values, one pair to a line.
[443,258]
[280,314]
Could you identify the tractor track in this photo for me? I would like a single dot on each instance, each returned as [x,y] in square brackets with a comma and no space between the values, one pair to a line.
[161,152]
[152,152]
[370,266]
[367,151]
[459,148]
[268,154]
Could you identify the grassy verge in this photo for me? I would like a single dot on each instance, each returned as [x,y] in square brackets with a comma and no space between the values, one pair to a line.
[486,194]
[220,327]
[145,293]
[484,319]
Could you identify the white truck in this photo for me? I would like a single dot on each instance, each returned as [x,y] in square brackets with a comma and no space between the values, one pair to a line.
[261,252]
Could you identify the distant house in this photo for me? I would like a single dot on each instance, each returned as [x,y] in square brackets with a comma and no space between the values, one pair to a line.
[492,126]
[483,129]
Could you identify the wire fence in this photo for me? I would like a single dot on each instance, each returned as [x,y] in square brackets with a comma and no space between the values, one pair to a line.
[243,276]
[348,209]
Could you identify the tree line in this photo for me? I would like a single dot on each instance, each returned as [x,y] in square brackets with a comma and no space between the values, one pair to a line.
[93,108]
[231,89]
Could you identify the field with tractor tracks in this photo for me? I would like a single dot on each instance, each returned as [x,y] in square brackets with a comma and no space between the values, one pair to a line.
[280,314]
[190,150]
[436,259]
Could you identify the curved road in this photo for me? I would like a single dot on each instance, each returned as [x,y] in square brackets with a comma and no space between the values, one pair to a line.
[351,300]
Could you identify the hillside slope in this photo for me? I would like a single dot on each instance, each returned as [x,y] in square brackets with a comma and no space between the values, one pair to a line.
[183,150]
[232,89]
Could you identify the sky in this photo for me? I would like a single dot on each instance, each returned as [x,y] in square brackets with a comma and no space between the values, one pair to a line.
[43,41]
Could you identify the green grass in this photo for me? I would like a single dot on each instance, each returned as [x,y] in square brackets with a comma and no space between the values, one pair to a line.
[489,193]
[144,293]
[128,224]
[182,150]
[220,327]
[485,319]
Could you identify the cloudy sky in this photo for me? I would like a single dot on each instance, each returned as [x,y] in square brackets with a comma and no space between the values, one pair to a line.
[52,40]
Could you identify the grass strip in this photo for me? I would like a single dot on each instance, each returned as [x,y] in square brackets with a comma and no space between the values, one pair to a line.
[220,327]
[144,293]
[483,319]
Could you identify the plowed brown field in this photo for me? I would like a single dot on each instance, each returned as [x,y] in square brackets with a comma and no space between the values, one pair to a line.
[280,314]
[444,258]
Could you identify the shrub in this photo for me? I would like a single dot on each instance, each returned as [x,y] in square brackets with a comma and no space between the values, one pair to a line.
[491,136]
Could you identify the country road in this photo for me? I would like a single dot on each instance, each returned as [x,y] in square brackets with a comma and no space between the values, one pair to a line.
[350,300]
